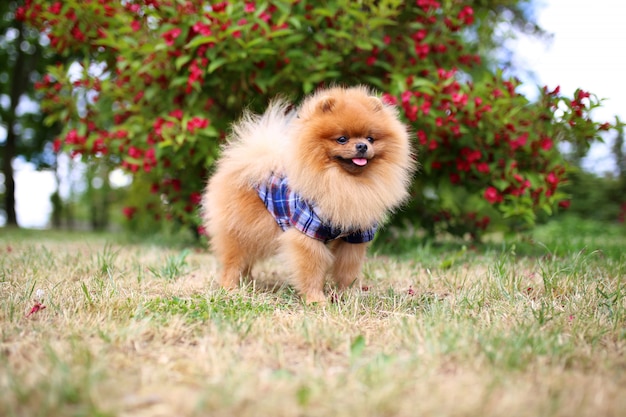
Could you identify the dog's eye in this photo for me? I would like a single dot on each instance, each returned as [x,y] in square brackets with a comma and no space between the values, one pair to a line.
[342,140]
[370,139]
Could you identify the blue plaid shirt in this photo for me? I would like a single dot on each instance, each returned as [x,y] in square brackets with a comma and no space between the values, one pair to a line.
[291,210]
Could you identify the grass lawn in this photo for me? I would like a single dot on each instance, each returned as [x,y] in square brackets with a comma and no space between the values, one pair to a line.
[533,327]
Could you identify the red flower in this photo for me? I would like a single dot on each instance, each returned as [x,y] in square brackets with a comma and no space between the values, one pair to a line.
[197,123]
[555,91]
[411,112]
[482,167]
[406,96]
[492,195]
[171,35]
[250,7]
[419,35]
[421,136]
[73,138]
[484,222]
[219,7]
[99,146]
[422,50]
[195,198]
[202,29]
[552,179]
[519,142]
[565,204]
[37,307]
[580,94]
[426,5]
[121,134]
[20,13]
[389,99]
[462,165]
[546,143]
[138,97]
[459,99]
[178,113]
[78,34]
[467,15]
[471,155]
[445,75]
[135,25]
[150,156]
[55,8]
[265,16]
[129,212]
[134,152]
[195,75]
[56,145]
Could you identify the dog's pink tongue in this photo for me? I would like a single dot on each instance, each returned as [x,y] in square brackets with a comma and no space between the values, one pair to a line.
[359,161]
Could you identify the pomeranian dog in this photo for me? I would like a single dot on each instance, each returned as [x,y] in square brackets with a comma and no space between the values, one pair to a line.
[312,184]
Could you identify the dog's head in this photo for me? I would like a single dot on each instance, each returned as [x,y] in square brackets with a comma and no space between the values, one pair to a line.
[352,130]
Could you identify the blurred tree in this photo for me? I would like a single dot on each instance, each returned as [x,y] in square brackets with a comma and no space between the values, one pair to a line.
[23,59]
[620,160]
[159,82]
[618,152]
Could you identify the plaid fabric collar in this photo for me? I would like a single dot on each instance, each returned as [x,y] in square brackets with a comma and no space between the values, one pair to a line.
[290,210]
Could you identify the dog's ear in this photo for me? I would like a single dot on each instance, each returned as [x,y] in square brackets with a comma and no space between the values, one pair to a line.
[376,103]
[326,104]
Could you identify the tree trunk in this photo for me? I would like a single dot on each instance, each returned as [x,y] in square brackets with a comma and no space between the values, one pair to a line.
[620,159]
[9,180]
[18,85]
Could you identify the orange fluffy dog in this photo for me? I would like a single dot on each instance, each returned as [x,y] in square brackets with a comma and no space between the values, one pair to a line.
[312,184]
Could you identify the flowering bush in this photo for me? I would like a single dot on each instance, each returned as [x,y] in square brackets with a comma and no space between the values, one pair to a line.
[158,83]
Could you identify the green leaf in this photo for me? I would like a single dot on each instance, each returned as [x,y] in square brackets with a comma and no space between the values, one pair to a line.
[200,40]
[323,12]
[278,33]
[254,42]
[215,64]
[451,260]
[356,347]
[363,44]
[501,185]
[303,395]
[181,61]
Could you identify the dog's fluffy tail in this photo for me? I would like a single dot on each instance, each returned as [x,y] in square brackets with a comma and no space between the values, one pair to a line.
[256,145]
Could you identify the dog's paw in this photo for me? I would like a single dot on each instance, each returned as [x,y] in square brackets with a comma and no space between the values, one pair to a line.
[314,298]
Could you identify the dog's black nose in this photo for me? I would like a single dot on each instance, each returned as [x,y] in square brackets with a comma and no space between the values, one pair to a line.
[361,147]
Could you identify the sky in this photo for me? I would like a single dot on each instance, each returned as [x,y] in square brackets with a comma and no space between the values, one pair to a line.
[586,52]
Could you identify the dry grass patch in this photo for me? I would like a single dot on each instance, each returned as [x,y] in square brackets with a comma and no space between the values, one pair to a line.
[141,330]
